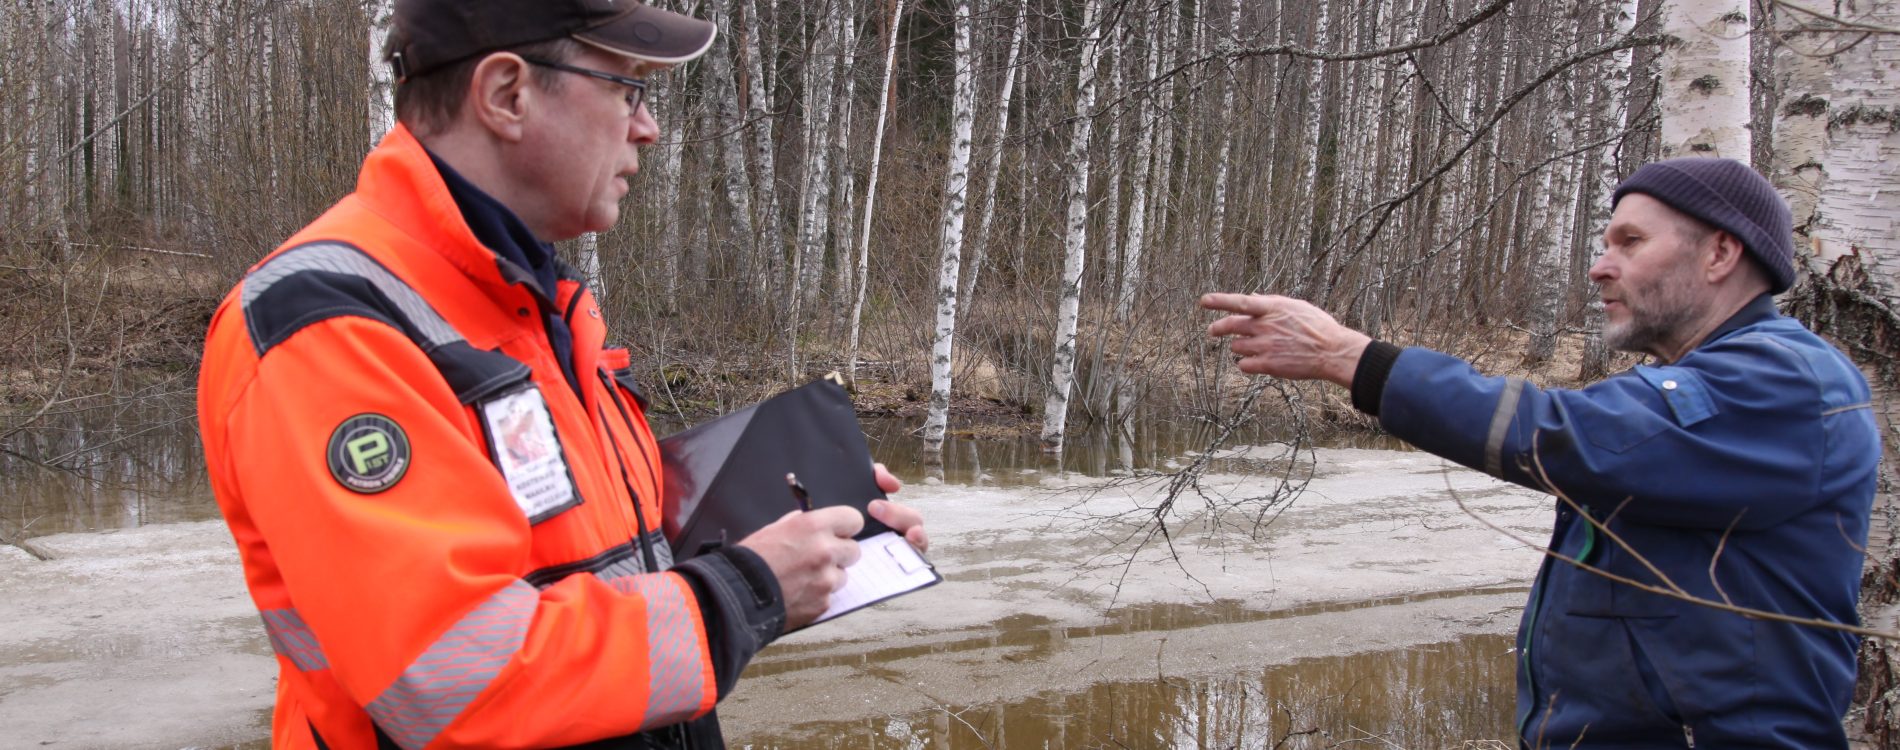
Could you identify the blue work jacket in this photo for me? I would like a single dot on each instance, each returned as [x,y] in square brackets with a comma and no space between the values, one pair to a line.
[1743,472]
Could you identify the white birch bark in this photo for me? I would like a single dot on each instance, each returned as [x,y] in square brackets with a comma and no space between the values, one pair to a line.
[771,251]
[1705,79]
[956,187]
[672,187]
[1226,122]
[1304,234]
[1553,211]
[1613,108]
[737,173]
[1161,187]
[1141,175]
[382,82]
[1855,219]
[1858,212]
[813,217]
[986,217]
[1115,59]
[884,93]
[1075,242]
[843,197]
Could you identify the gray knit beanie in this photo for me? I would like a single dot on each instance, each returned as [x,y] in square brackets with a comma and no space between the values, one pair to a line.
[1730,196]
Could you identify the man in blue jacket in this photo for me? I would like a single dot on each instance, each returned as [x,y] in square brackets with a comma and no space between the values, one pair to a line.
[1738,466]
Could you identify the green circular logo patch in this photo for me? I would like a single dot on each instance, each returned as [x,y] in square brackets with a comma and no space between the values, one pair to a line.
[368,453]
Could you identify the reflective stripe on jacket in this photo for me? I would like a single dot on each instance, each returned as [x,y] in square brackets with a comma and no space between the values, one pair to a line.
[1755,452]
[417,594]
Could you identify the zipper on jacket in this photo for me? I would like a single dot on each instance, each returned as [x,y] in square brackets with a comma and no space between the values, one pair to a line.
[613,392]
[639,517]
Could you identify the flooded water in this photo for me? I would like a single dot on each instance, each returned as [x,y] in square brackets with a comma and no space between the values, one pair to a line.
[134,462]
[1454,694]
[140,462]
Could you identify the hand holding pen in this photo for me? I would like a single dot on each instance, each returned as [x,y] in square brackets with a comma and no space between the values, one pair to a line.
[798,491]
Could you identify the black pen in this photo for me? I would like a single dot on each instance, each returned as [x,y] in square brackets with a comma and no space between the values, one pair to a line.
[798,491]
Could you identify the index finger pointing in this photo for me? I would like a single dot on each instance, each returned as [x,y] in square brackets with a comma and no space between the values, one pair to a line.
[1242,304]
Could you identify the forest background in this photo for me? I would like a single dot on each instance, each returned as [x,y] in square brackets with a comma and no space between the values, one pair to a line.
[984,207]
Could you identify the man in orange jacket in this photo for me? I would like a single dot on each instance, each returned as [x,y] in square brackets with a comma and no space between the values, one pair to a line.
[441,482]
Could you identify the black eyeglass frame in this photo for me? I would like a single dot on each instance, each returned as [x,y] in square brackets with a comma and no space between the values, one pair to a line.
[639,85]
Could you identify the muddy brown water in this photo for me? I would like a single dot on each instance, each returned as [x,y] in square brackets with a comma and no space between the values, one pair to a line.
[1455,694]
[142,464]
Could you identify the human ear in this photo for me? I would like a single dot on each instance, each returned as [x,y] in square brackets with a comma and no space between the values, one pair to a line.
[1725,256]
[499,90]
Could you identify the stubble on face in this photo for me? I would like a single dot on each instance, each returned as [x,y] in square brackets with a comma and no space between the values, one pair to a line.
[1660,309]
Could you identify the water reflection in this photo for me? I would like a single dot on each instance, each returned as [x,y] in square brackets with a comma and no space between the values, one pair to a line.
[1153,443]
[1451,694]
[138,460]
[132,461]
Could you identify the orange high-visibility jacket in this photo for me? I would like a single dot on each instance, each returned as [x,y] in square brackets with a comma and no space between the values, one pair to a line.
[450,546]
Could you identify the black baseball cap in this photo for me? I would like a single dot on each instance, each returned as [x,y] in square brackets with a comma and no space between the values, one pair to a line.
[428,34]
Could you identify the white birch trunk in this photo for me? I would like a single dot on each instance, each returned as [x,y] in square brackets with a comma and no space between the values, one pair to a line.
[737,173]
[813,216]
[884,94]
[588,246]
[382,82]
[843,192]
[986,218]
[672,190]
[956,187]
[1141,176]
[1859,208]
[1226,122]
[1062,372]
[1705,102]
[1611,95]
[1304,233]
[1801,137]
[1115,57]
[1161,186]
[1555,211]
[771,249]
[1856,219]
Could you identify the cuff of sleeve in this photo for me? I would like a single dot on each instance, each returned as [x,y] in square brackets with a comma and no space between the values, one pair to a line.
[741,605]
[1368,381]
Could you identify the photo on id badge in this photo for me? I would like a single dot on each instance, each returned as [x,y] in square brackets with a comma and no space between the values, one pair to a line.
[521,434]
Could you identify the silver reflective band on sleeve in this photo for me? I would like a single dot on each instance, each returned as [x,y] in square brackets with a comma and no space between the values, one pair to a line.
[292,639]
[335,257]
[1500,426]
[440,683]
[661,550]
[676,664]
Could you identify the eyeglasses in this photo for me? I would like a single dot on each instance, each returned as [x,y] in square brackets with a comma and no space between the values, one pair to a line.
[637,87]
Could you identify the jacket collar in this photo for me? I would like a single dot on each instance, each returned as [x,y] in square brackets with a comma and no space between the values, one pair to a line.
[1757,310]
[401,184]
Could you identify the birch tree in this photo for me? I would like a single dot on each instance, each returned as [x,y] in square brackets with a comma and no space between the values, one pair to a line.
[884,94]
[724,94]
[382,83]
[956,185]
[1611,108]
[770,284]
[1141,178]
[1055,410]
[1705,79]
[986,216]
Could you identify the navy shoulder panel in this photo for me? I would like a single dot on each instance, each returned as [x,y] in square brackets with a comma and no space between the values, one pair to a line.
[312,283]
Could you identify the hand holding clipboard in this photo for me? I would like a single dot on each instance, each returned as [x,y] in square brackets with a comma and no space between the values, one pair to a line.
[727,480]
